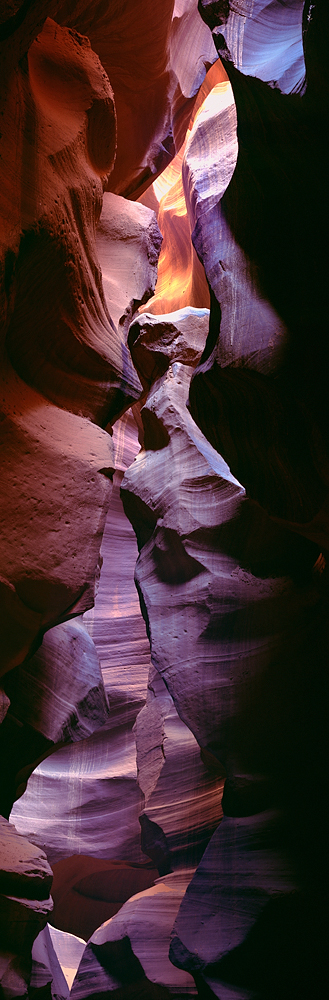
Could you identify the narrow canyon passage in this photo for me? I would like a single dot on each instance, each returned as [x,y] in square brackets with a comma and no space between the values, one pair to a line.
[164,500]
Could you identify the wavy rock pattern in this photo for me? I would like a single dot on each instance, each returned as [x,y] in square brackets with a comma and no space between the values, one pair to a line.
[264,39]
[191,47]
[181,280]
[132,47]
[88,800]
[72,353]
[60,691]
[97,777]
[234,602]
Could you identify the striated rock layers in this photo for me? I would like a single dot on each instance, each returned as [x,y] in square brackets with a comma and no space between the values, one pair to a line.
[84,799]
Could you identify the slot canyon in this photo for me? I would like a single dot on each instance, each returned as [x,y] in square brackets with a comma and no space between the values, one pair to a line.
[164,499]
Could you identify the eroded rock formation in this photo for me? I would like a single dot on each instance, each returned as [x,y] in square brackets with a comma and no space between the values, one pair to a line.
[230,512]
[25,883]
[130,952]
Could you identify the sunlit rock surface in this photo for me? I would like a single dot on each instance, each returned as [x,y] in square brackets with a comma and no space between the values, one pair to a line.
[69,950]
[128,243]
[258,251]
[191,47]
[46,972]
[85,799]
[132,948]
[263,39]
[181,277]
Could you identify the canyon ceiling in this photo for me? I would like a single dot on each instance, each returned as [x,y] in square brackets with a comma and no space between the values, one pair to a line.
[164,499]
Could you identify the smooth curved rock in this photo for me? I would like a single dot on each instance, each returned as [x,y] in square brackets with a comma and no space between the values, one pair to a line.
[46,972]
[56,468]
[247,675]
[182,799]
[213,574]
[60,690]
[263,39]
[131,949]
[85,799]
[62,342]
[87,891]
[246,926]
[192,49]
[24,868]
[232,599]
[69,950]
[132,46]
[128,243]
[155,341]
[181,277]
